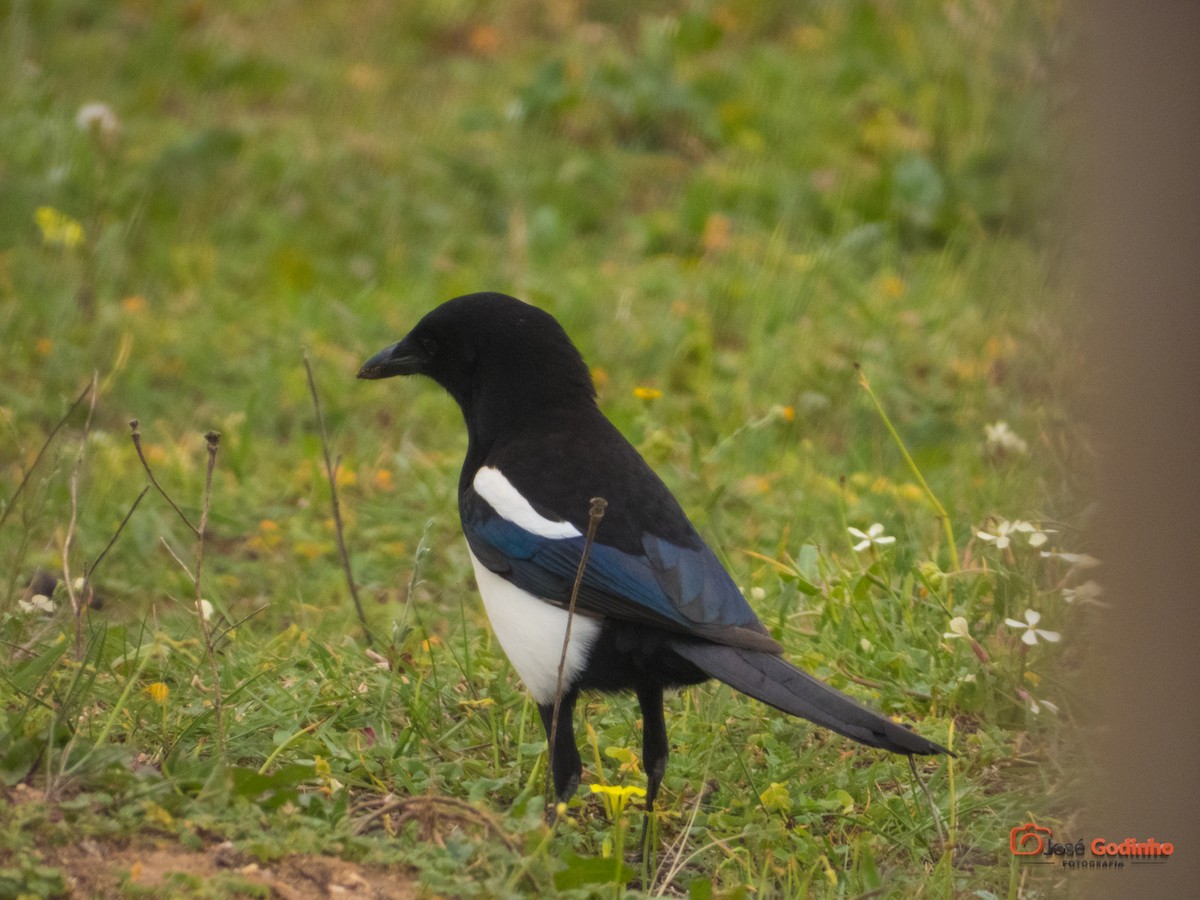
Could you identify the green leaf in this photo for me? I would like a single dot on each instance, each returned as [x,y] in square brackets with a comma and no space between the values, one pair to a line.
[583,870]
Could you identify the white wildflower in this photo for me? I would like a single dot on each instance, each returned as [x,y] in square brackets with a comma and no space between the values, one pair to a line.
[1002,439]
[1088,592]
[873,535]
[958,629]
[1032,632]
[1005,531]
[37,603]
[1036,705]
[1076,560]
[98,119]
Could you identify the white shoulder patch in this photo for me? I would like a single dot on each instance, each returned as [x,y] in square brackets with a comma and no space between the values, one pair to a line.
[498,491]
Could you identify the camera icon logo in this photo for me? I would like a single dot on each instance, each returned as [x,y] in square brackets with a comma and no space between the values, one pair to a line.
[1028,839]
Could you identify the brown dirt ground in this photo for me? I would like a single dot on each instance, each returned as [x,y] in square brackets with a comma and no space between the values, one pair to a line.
[98,870]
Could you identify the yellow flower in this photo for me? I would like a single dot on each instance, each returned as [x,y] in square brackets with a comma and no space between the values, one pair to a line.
[646,393]
[892,286]
[135,303]
[58,228]
[158,692]
[43,346]
[616,798]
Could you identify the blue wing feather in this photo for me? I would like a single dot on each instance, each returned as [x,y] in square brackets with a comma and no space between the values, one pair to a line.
[680,588]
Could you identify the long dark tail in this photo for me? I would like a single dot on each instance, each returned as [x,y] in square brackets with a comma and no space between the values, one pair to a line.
[778,683]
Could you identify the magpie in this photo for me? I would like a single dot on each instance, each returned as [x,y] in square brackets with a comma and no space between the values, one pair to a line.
[655,608]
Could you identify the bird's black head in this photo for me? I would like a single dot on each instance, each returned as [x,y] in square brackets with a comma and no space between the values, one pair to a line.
[501,359]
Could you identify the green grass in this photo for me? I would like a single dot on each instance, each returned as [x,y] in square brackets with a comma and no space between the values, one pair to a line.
[731,204]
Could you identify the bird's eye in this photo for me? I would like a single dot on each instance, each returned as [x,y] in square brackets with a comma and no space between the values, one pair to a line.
[429,345]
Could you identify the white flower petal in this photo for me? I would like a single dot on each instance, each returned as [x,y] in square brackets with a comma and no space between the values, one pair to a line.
[1032,616]
[1037,539]
[875,530]
[863,544]
[958,628]
[886,539]
[862,535]
[1029,637]
[1013,623]
[1052,636]
[985,535]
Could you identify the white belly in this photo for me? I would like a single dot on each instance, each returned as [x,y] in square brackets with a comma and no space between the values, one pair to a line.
[531,632]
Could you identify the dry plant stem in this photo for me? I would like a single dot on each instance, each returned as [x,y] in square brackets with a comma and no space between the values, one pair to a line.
[595,514]
[414,807]
[213,439]
[137,445]
[937,816]
[12,501]
[331,474]
[77,602]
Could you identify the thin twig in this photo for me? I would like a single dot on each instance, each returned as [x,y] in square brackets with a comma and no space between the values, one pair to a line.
[77,601]
[89,572]
[213,440]
[331,473]
[136,435]
[12,501]
[937,816]
[595,514]
[175,556]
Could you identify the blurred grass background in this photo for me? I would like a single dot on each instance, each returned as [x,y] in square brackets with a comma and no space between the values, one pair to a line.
[729,205]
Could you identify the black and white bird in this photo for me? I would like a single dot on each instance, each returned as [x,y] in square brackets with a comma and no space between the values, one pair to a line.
[655,608]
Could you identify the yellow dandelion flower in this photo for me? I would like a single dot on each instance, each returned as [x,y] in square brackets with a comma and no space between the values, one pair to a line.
[346,477]
[789,414]
[892,286]
[43,347]
[647,393]
[616,798]
[58,229]
[158,692]
[134,304]
[383,479]
[313,549]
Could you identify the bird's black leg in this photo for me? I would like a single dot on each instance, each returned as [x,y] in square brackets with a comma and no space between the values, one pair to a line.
[654,748]
[565,764]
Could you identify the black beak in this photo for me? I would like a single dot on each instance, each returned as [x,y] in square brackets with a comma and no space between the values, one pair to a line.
[401,358]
